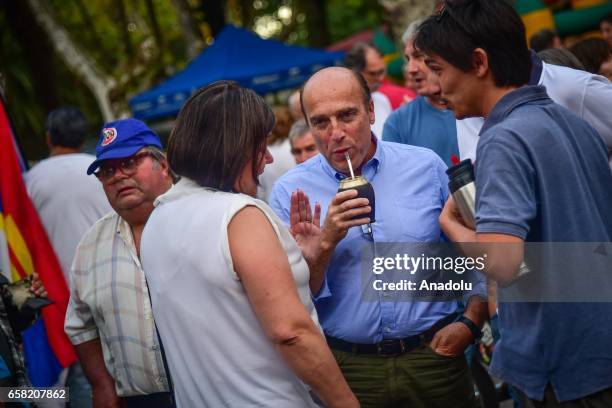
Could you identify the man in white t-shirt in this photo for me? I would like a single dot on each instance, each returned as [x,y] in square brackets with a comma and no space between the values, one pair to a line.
[68,204]
[67,200]
[587,95]
[367,60]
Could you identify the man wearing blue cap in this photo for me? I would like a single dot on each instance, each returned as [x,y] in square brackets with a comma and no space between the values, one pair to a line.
[109,317]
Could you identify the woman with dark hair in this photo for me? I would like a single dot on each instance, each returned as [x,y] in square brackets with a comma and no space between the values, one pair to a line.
[228,284]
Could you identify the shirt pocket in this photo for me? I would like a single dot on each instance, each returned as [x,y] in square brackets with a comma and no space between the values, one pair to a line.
[418,215]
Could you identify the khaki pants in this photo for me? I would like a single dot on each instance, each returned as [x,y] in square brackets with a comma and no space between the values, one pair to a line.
[418,379]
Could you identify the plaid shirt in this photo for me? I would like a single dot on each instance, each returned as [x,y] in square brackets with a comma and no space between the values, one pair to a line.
[109,299]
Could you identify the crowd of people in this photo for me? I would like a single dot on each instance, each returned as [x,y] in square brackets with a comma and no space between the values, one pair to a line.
[591,54]
[226,271]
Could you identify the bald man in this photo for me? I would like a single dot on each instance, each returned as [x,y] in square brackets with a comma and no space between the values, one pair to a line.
[392,352]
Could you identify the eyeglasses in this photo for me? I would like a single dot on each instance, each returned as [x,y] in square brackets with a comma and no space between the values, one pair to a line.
[446,12]
[441,13]
[127,165]
[377,73]
[296,151]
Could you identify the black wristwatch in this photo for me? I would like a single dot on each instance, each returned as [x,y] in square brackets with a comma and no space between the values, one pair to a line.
[476,331]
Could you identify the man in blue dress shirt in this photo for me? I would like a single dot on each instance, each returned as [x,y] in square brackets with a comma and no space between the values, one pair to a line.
[392,352]
[541,176]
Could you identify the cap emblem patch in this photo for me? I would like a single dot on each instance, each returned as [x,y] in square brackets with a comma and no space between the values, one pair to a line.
[110,134]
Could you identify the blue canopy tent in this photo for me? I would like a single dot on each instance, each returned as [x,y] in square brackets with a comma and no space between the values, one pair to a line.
[239,55]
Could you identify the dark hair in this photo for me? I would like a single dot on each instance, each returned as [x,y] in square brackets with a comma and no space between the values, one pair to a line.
[363,85]
[355,59]
[461,26]
[542,40]
[592,52]
[67,127]
[218,130]
[560,56]
[606,19]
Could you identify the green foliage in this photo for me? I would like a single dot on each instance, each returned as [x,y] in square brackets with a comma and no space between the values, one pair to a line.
[103,39]
[130,52]
[23,101]
[348,17]
[94,26]
[344,18]
[22,105]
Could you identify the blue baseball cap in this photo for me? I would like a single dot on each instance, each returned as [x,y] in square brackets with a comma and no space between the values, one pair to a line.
[123,138]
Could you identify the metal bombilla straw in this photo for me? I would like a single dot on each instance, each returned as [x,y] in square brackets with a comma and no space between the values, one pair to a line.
[367,228]
[350,165]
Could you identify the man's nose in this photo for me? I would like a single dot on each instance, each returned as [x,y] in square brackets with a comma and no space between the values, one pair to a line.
[335,124]
[413,67]
[337,132]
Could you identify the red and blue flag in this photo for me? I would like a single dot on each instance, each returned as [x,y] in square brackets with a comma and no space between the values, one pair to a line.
[24,249]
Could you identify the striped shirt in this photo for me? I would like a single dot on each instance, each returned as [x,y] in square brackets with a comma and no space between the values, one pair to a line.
[109,300]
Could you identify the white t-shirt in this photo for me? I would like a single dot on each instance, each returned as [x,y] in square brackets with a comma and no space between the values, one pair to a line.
[67,200]
[217,351]
[587,95]
[283,161]
[382,110]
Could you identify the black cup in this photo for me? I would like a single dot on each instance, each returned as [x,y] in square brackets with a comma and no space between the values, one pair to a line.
[364,190]
[460,175]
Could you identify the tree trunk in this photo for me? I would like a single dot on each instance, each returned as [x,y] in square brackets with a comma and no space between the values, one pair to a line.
[36,48]
[246,13]
[76,60]
[159,39]
[189,29]
[88,22]
[214,14]
[123,29]
[316,22]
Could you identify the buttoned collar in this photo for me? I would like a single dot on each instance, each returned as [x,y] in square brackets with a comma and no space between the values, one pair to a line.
[124,231]
[368,170]
[511,101]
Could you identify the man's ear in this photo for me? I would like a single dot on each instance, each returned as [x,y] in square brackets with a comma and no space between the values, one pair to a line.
[371,111]
[164,165]
[166,171]
[161,165]
[480,62]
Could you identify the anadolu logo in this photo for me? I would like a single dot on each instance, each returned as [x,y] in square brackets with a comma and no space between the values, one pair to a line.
[110,134]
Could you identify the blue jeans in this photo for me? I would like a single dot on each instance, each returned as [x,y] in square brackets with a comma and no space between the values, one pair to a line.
[79,387]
